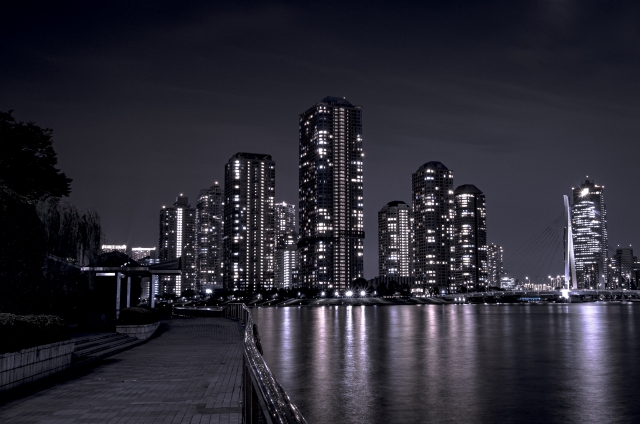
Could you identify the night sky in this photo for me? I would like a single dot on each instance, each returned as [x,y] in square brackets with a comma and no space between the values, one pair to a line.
[149,100]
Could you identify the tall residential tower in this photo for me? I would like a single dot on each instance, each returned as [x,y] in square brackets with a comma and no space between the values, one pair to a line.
[286,250]
[330,194]
[177,241]
[470,238]
[495,265]
[249,224]
[394,240]
[433,210]
[209,213]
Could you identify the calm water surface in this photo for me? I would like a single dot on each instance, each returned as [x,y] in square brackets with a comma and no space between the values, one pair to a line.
[576,363]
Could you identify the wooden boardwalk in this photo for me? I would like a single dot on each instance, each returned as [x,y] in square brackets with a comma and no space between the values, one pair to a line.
[189,373]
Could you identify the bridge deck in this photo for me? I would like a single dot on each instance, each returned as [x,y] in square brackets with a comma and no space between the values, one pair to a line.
[190,373]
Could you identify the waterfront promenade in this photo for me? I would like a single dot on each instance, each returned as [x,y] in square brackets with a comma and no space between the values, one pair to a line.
[189,373]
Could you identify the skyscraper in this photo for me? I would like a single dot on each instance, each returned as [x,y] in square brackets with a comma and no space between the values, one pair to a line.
[285,222]
[249,224]
[623,269]
[432,188]
[470,238]
[286,261]
[394,240]
[177,241]
[209,231]
[589,226]
[286,245]
[330,194]
[495,265]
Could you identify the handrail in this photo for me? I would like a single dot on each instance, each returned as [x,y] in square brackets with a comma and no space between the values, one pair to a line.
[273,404]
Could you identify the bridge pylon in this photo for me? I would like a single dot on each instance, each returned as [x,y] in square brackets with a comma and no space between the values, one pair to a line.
[570,280]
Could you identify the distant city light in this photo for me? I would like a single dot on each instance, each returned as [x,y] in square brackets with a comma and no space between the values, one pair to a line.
[349,293]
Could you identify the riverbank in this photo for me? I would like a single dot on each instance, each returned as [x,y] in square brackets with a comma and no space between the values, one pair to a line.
[353,301]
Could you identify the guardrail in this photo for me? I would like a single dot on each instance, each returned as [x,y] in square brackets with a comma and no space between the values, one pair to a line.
[264,399]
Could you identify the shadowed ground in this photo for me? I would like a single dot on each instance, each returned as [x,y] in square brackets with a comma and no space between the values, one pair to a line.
[190,373]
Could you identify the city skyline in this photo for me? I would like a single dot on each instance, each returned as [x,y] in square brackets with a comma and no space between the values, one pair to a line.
[550,98]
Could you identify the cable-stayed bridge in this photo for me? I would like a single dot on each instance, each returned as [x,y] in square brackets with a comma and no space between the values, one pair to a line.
[537,262]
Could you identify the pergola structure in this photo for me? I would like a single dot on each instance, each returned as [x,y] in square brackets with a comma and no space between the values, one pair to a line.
[119,266]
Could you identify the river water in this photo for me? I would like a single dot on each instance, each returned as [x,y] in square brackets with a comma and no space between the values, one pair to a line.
[562,363]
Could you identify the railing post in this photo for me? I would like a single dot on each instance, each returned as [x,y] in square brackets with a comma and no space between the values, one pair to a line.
[251,404]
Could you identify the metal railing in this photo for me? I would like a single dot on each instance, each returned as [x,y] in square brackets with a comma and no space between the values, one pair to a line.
[264,399]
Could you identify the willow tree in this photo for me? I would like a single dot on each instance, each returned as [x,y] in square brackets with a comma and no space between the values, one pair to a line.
[28,175]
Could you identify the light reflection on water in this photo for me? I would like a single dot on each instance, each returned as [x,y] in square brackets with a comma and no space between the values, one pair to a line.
[457,363]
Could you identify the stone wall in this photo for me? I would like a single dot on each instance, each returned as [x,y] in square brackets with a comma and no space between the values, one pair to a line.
[17,368]
[141,332]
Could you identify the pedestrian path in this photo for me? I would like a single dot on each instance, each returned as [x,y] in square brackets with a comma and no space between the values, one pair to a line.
[190,373]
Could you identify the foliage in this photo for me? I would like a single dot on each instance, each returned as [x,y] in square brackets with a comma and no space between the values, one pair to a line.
[69,234]
[359,284]
[22,254]
[189,294]
[137,316]
[19,332]
[27,162]
[27,175]
[41,238]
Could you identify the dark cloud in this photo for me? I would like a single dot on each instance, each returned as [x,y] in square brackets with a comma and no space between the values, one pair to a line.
[148,100]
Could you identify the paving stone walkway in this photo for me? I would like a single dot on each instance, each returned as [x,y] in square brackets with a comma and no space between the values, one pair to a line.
[190,373]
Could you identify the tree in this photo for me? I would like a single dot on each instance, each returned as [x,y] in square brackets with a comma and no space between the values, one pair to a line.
[27,175]
[70,234]
[28,162]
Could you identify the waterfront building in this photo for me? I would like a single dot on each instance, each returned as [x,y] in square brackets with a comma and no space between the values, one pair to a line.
[394,240]
[286,245]
[285,222]
[636,272]
[141,253]
[177,241]
[470,238]
[249,222]
[495,265]
[433,211]
[623,269]
[122,248]
[209,232]
[286,261]
[507,283]
[589,227]
[331,194]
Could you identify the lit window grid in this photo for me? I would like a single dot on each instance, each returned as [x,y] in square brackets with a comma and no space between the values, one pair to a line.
[333,181]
